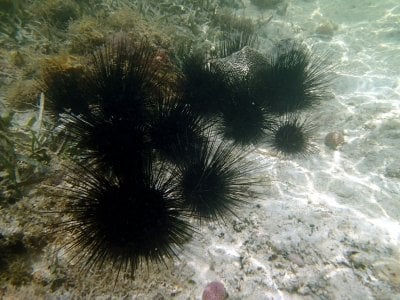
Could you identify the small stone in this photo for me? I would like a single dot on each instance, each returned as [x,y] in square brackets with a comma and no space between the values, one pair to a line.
[296,259]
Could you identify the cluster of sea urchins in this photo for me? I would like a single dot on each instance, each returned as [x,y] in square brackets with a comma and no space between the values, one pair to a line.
[144,162]
[149,156]
[254,98]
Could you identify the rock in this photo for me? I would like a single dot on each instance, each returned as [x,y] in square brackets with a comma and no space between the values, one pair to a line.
[296,259]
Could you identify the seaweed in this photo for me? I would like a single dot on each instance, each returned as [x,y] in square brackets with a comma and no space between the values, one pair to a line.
[9,176]
[24,154]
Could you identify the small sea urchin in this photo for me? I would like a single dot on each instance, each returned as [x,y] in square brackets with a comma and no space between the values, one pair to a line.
[291,135]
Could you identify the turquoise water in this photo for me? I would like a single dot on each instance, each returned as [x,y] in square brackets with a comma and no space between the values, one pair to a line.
[326,226]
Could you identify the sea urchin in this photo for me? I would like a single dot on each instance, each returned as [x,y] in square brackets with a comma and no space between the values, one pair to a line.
[291,135]
[214,182]
[125,222]
[293,79]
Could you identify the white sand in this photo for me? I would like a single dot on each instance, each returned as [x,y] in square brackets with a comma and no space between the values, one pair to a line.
[327,227]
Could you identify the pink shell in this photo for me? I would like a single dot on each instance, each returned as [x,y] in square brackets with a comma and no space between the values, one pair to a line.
[214,291]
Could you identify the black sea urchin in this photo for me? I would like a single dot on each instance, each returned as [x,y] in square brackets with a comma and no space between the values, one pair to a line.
[214,182]
[127,223]
[292,80]
[175,129]
[242,120]
[202,85]
[123,78]
[115,144]
[121,85]
[291,135]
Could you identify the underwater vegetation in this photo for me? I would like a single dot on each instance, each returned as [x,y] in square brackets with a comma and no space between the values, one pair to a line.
[9,173]
[11,12]
[23,157]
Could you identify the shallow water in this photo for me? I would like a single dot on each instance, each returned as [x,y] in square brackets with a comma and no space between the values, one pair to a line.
[326,226]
